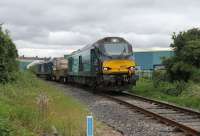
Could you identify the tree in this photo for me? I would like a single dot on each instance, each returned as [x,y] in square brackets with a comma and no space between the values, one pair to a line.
[186,59]
[8,55]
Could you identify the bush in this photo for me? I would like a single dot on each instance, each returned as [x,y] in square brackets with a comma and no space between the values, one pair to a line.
[8,55]
[195,77]
[186,46]
[175,88]
[178,70]
[158,77]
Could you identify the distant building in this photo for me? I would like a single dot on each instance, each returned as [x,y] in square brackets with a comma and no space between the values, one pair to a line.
[149,60]
[25,61]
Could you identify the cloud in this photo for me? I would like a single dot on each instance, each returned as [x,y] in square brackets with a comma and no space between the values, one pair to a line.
[63,37]
[44,52]
[60,26]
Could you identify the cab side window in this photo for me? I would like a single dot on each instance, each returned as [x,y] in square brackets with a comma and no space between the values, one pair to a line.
[70,64]
[80,63]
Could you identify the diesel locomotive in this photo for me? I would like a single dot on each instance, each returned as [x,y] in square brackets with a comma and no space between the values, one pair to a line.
[43,69]
[107,63]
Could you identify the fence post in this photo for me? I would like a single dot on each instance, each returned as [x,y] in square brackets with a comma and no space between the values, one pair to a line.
[90,126]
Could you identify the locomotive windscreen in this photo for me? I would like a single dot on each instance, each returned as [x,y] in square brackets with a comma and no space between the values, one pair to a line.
[116,49]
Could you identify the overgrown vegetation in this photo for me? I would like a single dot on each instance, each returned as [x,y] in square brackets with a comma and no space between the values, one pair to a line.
[185,64]
[189,97]
[160,79]
[180,82]
[29,106]
[8,55]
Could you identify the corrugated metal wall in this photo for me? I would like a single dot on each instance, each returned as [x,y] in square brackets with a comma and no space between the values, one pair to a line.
[149,59]
[144,59]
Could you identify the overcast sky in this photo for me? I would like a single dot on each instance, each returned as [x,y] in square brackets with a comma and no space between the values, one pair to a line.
[57,27]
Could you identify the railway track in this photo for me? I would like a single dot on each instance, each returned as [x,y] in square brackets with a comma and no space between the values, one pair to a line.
[181,119]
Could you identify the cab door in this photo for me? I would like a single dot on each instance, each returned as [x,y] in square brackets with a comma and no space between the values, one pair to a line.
[94,62]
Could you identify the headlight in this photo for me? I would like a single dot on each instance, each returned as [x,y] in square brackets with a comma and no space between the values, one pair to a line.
[105,68]
[132,68]
[115,40]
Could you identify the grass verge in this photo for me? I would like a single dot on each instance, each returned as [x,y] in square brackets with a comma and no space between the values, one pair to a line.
[30,106]
[190,97]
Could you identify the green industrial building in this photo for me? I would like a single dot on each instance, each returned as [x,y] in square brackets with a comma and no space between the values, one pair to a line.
[150,60]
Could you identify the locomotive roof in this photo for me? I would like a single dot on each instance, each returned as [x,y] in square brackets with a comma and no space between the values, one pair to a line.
[110,39]
[99,42]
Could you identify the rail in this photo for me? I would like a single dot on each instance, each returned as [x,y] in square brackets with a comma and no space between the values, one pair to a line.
[184,119]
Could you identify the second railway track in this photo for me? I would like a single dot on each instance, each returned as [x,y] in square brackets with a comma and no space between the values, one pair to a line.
[183,119]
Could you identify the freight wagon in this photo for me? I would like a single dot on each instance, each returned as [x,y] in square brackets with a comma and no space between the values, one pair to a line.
[60,68]
[43,69]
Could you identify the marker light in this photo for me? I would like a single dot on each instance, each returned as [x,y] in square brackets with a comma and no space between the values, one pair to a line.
[105,68]
[132,68]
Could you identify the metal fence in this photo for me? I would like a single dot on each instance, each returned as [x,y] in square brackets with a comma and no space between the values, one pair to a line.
[145,73]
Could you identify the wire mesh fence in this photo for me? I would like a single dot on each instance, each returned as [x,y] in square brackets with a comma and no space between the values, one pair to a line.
[145,74]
